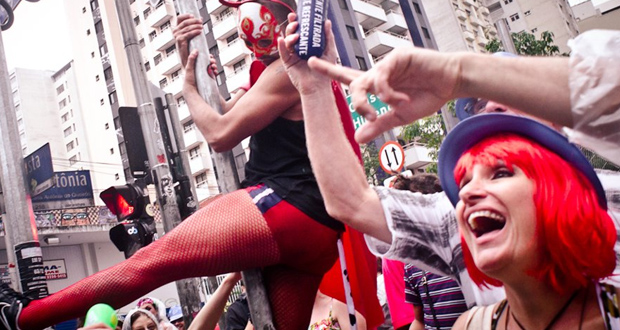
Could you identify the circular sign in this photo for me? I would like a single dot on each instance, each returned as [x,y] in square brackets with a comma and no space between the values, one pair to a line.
[392,157]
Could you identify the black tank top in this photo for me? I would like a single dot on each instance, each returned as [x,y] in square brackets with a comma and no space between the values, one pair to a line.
[279,159]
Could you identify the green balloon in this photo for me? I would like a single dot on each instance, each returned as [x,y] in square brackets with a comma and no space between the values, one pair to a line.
[101,313]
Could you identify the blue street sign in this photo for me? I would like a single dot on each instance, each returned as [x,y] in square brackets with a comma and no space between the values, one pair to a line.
[72,189]
[39,170]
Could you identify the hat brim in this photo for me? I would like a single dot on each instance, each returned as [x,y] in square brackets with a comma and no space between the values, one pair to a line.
[474,129]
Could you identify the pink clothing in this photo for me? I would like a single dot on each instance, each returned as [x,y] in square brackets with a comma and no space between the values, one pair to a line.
[394,278]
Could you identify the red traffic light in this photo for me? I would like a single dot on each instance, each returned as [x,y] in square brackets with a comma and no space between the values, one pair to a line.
[126,202]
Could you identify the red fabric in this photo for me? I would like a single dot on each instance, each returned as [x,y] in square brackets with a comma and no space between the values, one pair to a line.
[361,264]
[256,68]
[394,279]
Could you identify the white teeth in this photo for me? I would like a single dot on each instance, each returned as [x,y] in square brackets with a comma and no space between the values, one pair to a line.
[486,214]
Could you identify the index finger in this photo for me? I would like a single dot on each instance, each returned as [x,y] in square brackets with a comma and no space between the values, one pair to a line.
[336,72]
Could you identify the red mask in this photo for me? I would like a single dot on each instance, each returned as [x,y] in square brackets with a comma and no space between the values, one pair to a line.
[258,28]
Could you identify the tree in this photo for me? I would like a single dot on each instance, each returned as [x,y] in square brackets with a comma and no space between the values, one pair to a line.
[370,156]
[527,44]
[429,131]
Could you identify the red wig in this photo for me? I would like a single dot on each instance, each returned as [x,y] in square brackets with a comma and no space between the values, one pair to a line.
[569,216]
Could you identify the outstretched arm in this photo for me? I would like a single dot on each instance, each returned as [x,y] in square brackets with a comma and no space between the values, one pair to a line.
[209,314]
[341,179]
[416,82]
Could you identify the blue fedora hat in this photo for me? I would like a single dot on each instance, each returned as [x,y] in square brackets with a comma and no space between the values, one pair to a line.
[472,130]
[465,106]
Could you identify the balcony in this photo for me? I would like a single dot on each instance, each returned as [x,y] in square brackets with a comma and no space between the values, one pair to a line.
[193,138]
[183,111]
[368,14]
[416,156]
[169,64]
[174,87]
[235,51]
[469,35]
[390,4]
[469,2]
[224,26]
[483,11]
[214,7]
[395,23]
[238,79]
[481,41]
[163,40]
[200,162]
[380,42]
[460,14]
[161,14]
[474,21]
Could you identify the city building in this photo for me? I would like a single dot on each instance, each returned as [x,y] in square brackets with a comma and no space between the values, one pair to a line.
[597,15]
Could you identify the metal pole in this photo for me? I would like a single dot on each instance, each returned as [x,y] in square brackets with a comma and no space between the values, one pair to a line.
[158,162]
[228,178]
[19,222]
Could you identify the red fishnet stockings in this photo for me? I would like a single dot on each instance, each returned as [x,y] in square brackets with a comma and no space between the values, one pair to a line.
[230,234]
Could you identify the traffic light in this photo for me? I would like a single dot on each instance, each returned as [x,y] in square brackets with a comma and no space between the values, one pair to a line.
[133,210]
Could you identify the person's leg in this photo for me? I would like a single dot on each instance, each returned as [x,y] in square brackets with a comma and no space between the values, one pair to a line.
[291,296]
[227,235]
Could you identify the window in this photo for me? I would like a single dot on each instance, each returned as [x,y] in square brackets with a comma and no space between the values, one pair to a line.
[170,50]
[98,27]
[103,49]
[165,26]
[73,160]
[351,32]
[62,103]
[152,35]
[161,3]
[416,7]
[117,123]
[97,78]
[239,65]
[65,117]
[102,102]
[188,126]
[527,13]
[122,148]
[70,146]
[201,179]
[205,28]
[68,131]
[116,176]
[163,83]
[232,38]
[534,30]
[111,151]
[112,97]
[87,32]
[147,66]
[92,54]
[514,17]
[219,78]
[60,89]
[141,43]
[343,4]
[107,73]
[147,12]
[83,10]
[507,1]
[136,20]
[427,35]
[157,59]
[362,63]
[194,152]
[94,4]
[463,27]
[107,126]
[180,101]
[175,75]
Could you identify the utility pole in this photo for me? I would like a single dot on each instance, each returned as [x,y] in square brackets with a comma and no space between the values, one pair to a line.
[228,178]
[158,162]
[22,241]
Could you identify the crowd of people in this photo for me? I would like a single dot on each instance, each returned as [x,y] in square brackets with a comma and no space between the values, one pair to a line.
[497,243]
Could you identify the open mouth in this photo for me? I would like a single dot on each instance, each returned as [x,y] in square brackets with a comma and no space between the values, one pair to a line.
[484,222]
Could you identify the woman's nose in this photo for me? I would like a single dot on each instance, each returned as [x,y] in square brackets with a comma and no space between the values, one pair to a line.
[472,191]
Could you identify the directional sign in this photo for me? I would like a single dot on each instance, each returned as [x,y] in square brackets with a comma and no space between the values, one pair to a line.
[39,170]
[392,157]
[380,108]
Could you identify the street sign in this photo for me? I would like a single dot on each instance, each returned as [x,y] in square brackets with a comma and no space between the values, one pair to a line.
[39,170]
[392,157]
[380,108]
[73,189]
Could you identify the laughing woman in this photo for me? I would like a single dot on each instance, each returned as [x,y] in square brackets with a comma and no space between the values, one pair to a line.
[532,216]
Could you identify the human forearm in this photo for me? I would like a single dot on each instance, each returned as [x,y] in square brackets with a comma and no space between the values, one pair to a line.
[341,179]
[210,314]
[535,85]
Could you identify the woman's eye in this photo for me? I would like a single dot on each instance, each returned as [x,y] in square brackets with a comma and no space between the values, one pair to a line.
[502,173]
